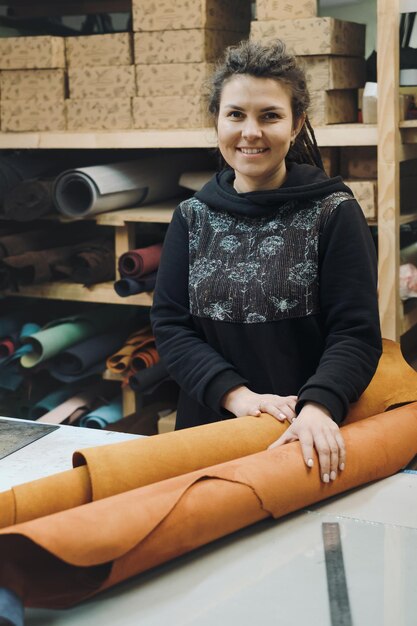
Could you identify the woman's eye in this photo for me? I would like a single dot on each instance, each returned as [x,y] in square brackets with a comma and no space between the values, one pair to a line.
[235,114]
[271,116]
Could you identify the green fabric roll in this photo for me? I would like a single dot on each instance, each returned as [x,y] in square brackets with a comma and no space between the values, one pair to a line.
[61,334]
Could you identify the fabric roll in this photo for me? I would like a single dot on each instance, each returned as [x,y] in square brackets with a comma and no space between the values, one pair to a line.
[10,324]
[72,409]
[20,165]
[30,328]
[147,379]
[11,377]
[137,263]
[11,609]
[36,267]
[29,200]
[62,334]
[51,401]
[80,358]
[95,189]
[7,347]
[119,362]
[92,263]
[130,286]
[64,558]
[144,358]
[104,415]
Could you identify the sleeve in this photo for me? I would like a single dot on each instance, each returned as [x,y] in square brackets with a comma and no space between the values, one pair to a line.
[198,369]
[349,312]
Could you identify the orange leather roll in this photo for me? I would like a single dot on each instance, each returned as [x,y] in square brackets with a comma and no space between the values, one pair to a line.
[61,559]
[104,471]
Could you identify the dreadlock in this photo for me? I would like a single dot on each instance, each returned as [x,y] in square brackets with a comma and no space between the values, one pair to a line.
[270,61]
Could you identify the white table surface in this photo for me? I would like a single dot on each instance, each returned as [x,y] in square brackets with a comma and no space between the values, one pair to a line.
[272,573]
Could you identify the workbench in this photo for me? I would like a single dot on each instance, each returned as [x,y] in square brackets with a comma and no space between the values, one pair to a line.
[272,573]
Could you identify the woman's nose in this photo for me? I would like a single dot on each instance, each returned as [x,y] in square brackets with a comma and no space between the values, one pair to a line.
[251,129]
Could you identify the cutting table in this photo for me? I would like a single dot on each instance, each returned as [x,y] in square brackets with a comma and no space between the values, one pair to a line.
[271,573]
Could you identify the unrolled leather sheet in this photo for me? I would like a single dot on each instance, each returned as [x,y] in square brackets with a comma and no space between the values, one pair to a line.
[64,558]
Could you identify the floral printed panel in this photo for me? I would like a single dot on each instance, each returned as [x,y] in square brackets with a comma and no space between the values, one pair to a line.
[251,270]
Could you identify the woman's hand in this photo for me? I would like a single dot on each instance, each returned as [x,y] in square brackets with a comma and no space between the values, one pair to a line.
[314,427]
[242,401]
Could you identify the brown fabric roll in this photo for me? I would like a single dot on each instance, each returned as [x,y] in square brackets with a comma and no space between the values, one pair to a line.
[64,558]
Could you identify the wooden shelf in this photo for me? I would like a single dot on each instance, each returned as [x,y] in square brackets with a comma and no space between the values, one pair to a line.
[331,135]
[102,293]
[159,213]
[406,219]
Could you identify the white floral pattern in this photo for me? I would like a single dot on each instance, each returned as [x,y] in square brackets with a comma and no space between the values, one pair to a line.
[255,270]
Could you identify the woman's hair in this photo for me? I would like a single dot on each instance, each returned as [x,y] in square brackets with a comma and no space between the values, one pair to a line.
[270,61]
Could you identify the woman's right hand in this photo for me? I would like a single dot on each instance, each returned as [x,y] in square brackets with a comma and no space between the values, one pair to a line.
[242,401]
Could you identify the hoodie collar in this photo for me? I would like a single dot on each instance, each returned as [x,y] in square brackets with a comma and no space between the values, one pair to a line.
[303,182]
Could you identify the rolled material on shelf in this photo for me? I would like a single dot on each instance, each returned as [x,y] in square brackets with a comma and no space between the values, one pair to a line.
[74,361]
[147,357]
[51,401]
[62,334]
[92,263]
[96,189]
[137,263]
[146,379]
[11,609]
[125,287]
[72,409]
[119,362]
[103,415]
[29,200]
[64,558]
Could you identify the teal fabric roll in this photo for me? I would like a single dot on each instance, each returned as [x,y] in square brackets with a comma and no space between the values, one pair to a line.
[61,334]
[104,415]
[52,400]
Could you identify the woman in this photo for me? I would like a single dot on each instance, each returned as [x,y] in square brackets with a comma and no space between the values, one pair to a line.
[266,293]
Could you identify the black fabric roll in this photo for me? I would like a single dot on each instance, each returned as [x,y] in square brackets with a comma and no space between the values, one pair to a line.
[145,380]
[130,286]
[91,264]
[29,200]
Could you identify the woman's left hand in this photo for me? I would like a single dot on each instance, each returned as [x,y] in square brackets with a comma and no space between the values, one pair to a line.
[314,427]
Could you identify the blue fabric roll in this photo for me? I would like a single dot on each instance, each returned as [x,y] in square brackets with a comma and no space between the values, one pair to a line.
[11,608]
[30,328]
[51,401]
[130,286]
[104,415]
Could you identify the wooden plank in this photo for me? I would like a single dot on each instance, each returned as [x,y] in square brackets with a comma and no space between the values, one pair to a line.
[158,213]
[331,135]
[100,293]
[27,9]
[388,168]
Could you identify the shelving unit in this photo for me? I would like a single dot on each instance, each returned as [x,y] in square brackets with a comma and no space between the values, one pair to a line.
[396,142]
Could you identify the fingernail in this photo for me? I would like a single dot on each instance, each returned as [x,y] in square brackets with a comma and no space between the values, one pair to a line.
[281,416]
[333,475]
[326,478]
[342,466]
[310,462]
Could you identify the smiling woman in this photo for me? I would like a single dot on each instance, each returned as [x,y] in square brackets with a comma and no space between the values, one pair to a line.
[266,292]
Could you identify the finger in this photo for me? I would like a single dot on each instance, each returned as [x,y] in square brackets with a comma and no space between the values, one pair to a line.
[292,401]
[334,454]
[286,437]
[277,412]
[342,450]
[306,442]
[322,446]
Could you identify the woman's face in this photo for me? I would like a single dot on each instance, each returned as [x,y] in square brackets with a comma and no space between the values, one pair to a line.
[255,127]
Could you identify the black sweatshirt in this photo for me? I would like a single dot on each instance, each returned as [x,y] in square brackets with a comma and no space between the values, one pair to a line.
[275,290]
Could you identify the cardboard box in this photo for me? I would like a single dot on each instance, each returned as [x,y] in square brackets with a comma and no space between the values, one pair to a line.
[285,9]
[99,50]
[172,79]
[21,53]
[102,82]
[149,15]
[338,106]
[359,162]
[330,158]
[35,114]
[366,193]
[182,46]
[315,35]
[327,72]
[99,114]
[163,112]
[26,84]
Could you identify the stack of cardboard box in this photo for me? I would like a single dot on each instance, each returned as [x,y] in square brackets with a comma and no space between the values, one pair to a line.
[175,45]
[32,83]
[101,78]
[331,50]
